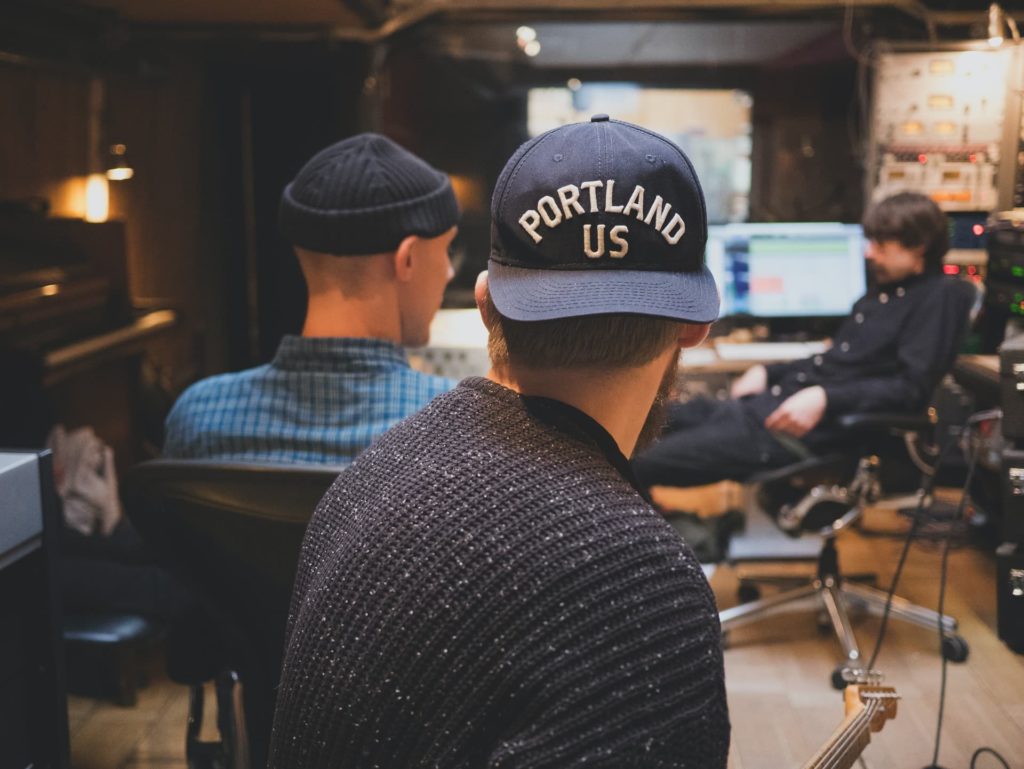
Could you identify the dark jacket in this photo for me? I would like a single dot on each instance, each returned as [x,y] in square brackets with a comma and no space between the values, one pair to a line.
[888,355]
[483,588]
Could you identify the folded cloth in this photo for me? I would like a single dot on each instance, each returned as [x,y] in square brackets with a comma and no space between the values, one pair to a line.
[86,480]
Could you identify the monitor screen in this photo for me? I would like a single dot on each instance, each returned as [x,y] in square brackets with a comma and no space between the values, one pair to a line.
[807,269]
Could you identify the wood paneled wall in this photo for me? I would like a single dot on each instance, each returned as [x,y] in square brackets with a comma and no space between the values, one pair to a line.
[171,241]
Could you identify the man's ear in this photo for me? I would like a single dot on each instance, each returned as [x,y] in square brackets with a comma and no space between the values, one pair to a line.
[403,258]
[692,334]
[480,293]
[918,252]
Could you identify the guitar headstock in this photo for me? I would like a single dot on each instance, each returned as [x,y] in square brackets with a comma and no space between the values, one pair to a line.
[868,706]
[881,700]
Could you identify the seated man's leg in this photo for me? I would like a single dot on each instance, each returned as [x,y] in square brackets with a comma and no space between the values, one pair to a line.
[710,442]
[692,413]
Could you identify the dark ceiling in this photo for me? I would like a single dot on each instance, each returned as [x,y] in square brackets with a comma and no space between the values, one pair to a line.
[385,15]
[609,33]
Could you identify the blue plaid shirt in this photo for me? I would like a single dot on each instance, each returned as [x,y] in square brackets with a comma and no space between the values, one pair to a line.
[321,400]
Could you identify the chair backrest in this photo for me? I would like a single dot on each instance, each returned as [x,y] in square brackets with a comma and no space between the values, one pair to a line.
[972,297]
[233,532]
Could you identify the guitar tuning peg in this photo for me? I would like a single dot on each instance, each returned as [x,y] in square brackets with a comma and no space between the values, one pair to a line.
[860,676]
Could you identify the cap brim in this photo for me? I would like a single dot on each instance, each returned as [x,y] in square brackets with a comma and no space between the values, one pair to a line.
[525,294]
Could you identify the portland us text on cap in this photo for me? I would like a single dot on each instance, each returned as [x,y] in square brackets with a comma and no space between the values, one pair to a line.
[600,217]
[364,195]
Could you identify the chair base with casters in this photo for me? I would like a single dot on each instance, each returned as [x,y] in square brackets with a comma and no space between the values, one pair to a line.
[823,507]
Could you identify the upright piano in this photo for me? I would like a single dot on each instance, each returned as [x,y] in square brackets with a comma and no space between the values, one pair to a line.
[65,306]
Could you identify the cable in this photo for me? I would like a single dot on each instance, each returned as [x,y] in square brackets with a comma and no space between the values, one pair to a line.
[851,47]
[971,424]
[927,487]
[943,572]
[979,751]
[928,484]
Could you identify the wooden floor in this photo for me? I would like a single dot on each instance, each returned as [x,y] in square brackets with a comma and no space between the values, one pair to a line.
[777,675]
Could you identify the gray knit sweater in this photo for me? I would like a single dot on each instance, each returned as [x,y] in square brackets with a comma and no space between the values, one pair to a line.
[483,588]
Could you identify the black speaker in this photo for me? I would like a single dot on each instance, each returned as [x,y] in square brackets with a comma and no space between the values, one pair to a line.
[1010,595]
[1013,496]
[1011,386]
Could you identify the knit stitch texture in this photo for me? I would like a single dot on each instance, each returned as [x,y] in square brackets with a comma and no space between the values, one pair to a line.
[363,195]
[480,589]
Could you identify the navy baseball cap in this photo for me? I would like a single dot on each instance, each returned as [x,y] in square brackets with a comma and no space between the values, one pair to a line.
[600,217]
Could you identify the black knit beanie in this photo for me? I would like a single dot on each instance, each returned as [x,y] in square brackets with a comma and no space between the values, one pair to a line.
[364,195]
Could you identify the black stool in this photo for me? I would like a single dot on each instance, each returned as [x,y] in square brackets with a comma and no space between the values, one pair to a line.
[103,654]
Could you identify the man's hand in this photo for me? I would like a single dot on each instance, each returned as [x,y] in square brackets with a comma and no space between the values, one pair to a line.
[753,381]
[799,413]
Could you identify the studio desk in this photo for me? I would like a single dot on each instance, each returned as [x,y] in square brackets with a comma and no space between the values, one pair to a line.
[979,375]
[458,348]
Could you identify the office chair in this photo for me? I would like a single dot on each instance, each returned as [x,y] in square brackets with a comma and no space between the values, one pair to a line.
[233,532]
[824,495]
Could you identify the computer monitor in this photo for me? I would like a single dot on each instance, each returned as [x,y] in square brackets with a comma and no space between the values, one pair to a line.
[787,270]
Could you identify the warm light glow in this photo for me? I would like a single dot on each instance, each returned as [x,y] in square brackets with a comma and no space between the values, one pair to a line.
[526,39]
[67,197]
[50,289]
[978,229]
[951,269]
[526,35]
[97,198]
[469,192]
[118,168]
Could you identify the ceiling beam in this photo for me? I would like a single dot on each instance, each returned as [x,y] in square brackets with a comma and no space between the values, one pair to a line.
[415,11]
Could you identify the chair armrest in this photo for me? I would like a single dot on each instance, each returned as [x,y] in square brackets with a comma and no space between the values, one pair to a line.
[884,422]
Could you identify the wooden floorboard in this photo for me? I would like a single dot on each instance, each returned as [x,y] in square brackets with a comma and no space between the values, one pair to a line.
[777,677]
[786,660]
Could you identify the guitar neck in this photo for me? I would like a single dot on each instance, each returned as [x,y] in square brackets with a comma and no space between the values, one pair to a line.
[846,743]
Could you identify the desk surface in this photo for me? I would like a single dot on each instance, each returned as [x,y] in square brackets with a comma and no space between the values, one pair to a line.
[979,374]
[984,365]
[762,352]
[463,330]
